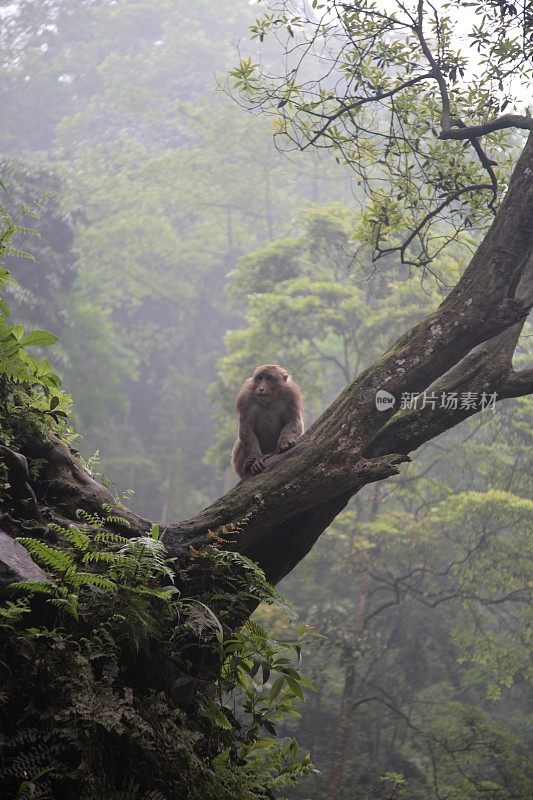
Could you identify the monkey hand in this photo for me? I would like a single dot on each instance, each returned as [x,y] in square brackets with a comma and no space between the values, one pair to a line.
[254,465]
[285,443]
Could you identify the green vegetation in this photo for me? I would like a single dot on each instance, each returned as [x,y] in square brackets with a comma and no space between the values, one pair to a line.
[154,248]
[126,684]
[420,589]
[113,700]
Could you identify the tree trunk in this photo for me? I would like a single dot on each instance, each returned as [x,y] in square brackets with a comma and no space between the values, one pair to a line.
[349,696]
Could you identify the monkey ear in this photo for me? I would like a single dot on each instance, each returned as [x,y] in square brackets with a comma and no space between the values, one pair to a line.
[285,376]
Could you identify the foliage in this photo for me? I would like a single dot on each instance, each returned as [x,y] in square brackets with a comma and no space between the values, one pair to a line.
[420,590]
[375,86]
[115,682]
[127,684]
[30,389]
[40,297]
[15,362]
[170,194]
[166,184]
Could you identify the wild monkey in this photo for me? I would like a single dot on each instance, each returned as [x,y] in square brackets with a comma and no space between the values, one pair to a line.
[270,409]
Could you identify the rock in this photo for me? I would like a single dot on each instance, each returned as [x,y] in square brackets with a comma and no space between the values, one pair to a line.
[16,563]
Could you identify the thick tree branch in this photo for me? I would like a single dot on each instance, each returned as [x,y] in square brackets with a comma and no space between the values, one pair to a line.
[497,124]
[518,384]
[65,485]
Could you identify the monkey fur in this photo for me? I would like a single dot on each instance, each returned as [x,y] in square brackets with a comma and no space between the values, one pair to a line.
[270,409]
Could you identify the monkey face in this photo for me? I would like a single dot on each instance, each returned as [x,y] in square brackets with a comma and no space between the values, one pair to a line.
[268,381]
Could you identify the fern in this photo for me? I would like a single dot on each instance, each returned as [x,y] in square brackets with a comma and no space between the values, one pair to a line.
[74,535]
[93,520]
[103,556]
[118,656]
[12,612]
[257,584]
[106,537]
[92,579]
[56,559]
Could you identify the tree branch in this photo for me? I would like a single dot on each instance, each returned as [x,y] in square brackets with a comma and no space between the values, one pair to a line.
[498,124]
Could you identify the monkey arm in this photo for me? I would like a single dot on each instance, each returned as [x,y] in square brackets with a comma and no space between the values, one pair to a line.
[249,440]
[253,456]
[290,433]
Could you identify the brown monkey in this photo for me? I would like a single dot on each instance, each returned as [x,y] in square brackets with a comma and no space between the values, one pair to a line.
[270,408]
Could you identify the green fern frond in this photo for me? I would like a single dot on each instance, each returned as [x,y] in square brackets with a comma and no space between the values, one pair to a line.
[68,604]
[117,519]
[34,587]
[16,252]
[12,611]
[52,557]
[53,526]
[92,579]
[25,230]
[103,556]
[257,631]
[76,537]
[90,519]
[107,537]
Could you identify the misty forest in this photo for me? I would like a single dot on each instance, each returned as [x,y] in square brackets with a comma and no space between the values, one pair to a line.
[189,190]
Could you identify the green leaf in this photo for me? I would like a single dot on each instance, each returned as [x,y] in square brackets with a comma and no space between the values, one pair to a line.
[39,339]
[276,688]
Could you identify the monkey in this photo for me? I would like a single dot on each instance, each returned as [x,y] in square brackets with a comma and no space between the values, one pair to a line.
[270,409]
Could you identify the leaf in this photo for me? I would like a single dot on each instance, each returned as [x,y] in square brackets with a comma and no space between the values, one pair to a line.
[296,688]
[213,712]
[39,339]
[276,688]
[59,414]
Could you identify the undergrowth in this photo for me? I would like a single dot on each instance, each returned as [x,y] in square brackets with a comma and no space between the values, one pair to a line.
[117,683]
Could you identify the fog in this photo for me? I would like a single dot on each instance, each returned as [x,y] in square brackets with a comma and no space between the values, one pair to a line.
[178,250]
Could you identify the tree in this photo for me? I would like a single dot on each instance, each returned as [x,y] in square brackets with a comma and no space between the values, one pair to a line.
[407,574]
[466,344]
